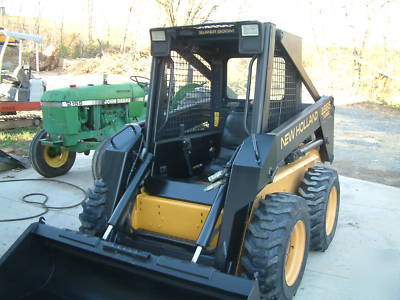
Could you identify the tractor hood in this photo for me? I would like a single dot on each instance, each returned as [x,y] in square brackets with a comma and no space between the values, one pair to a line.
[104,93]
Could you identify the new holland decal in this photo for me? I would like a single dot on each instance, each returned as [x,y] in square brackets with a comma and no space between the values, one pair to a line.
[298,129]
[325,112]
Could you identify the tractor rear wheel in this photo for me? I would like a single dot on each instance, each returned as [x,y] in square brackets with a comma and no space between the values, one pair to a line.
[98,158]
[276,245]
[321,189]
[49,161]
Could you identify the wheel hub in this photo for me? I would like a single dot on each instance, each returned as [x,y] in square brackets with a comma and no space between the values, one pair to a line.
[55,158]
[295,253]
[331,211]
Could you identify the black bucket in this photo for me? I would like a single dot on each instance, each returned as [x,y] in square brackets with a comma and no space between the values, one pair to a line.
[50,263]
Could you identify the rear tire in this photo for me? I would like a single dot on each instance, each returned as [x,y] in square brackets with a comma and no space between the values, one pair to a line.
[276,245]
[98,157]
[321,189]
[49,161]
[94,216]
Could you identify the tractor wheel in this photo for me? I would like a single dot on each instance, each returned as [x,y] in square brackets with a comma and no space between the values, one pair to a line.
[94,217]
[276,245]
[321,190]
[49,161]
[98,157]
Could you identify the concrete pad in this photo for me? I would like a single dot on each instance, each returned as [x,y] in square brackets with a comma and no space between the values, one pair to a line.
[363,261]
[59,195]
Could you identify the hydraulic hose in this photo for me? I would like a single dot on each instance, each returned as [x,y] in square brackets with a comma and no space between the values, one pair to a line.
[42,204]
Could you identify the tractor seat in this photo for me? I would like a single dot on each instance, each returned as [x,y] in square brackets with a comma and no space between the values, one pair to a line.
[232,136]
[21,76]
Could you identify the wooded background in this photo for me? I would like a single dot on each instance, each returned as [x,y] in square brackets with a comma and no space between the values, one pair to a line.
[351,48]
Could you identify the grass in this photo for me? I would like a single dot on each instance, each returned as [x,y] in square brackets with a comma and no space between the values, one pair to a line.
[395,106]
[17,140]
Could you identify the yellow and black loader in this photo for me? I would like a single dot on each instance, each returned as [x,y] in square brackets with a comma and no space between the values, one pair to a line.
[220,193]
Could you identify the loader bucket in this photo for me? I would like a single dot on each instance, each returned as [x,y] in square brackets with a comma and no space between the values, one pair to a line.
[51,263]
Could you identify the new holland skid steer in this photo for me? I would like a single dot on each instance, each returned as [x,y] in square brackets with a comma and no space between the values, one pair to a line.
[218,196]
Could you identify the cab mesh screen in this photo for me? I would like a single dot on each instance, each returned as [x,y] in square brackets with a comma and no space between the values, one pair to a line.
[189,108]
[285,94]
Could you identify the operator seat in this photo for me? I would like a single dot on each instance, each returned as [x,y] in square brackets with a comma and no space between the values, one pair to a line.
[232,136]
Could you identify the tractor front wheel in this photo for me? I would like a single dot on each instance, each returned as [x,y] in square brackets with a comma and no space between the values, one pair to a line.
[49,161]
[276,245]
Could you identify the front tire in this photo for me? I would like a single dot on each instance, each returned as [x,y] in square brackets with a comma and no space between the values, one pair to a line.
[49,161]
[321,189]
[276,245]
[94,214]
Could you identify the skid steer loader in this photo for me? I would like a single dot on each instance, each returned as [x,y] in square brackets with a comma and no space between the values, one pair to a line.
[218,196]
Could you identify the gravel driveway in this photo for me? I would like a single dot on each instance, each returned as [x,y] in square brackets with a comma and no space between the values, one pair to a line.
[367,143]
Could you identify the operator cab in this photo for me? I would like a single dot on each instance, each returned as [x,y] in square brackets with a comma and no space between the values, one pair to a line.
[211,82]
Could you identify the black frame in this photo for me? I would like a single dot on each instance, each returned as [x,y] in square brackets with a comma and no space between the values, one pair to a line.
[239,198]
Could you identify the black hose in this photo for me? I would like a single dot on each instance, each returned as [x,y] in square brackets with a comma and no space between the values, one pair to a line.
[42,204]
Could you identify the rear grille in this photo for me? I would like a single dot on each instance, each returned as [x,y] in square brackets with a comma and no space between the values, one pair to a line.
[285,91]
[190,107]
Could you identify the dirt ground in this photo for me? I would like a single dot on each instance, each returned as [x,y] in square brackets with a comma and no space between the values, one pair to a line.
[367,143]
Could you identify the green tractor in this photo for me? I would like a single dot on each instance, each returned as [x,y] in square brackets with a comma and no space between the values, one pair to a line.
[81,119]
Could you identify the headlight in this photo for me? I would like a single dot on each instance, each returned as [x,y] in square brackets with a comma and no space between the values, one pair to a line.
[158,36]
[250,30]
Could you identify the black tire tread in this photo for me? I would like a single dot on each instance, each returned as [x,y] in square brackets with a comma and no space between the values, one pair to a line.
[314,189]
[93,217]
[97,158]
[38,162]
[266,239]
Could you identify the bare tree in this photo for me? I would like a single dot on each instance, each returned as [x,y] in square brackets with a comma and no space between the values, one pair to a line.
[122,48]
[187,12]
[21,6]
[372,8]
[38,17]
[90,20]
[62,29]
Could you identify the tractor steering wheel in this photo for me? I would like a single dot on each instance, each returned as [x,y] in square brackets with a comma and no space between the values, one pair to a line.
[143,83]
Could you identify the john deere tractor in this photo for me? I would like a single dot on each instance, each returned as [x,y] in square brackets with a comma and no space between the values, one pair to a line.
[81,119]
[219,196]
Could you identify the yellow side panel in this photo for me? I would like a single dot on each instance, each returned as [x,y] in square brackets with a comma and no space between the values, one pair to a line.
[287,180]
[289,177]
[174,218]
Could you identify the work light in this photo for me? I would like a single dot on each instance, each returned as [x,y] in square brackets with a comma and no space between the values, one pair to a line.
[158,36]
[250,30]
